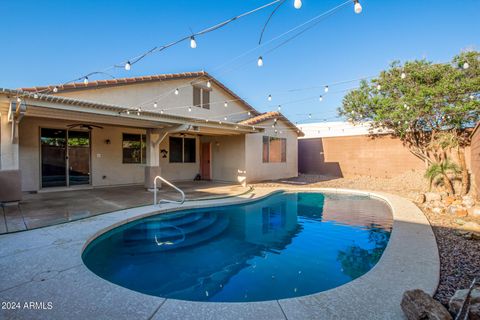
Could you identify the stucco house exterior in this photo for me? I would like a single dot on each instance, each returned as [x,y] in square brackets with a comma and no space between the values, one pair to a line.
[127,131]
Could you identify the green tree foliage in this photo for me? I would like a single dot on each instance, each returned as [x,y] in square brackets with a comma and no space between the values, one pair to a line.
[420,101]
[438,173]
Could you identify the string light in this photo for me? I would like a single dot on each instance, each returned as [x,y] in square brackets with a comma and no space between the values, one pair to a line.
[128,111]
[249,113]
[189,109]
[379,87]
[279,107]
[297,4]
[403,75]
[326,89]
[320,98]
[209,84]
[269,97]
[155,105]
[357,7]
[85,81]
[466,65]
[128,66]
[260,61]
[176,92]
[193,43]
[55,89]
[225,118]
[225,104]
[161,111]
[309,116]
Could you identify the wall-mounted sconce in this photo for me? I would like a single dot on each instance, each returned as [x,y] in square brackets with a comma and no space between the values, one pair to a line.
[164,153]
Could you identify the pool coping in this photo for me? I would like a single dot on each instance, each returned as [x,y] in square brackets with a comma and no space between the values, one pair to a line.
[409,261]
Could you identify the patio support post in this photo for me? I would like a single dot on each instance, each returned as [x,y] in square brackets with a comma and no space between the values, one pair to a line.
[152,168]
[10,177]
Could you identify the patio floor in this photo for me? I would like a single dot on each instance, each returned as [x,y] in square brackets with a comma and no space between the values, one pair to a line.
[50,208]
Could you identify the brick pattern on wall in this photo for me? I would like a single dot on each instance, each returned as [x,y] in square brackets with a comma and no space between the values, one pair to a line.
[382,156]
[475,162]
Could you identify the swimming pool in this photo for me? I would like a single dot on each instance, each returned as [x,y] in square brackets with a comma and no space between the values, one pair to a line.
[283,246]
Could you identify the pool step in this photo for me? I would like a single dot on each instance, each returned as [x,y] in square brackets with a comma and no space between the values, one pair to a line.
[150,244]
[165,231]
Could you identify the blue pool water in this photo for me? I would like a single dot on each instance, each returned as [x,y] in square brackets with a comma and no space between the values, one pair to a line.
[287,245]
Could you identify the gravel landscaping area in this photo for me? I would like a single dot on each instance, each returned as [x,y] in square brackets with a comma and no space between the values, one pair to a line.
[460,257]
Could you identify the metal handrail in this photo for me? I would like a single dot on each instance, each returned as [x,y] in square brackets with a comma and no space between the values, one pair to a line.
[169,184]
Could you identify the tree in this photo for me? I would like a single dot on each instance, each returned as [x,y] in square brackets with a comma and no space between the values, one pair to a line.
[437,173]
[419,102]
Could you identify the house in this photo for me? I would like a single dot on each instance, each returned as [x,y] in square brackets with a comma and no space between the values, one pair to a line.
[127,131]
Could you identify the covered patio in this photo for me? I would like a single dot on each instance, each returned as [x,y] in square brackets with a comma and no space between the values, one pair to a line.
[50,208]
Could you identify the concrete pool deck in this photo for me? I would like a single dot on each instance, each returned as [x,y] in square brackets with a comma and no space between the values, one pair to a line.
[45,265]
[54,207]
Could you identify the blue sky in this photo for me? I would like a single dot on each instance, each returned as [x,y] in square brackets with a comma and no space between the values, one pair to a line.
[50,42]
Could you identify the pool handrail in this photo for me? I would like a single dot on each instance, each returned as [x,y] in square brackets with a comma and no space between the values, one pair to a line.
[169,184]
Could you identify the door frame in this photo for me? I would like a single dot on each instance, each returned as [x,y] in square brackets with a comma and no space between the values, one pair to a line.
[202,159]
[67,173]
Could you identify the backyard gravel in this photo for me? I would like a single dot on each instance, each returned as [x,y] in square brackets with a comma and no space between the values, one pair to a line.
[459,257]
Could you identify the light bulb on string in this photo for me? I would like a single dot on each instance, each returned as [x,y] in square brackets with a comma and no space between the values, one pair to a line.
[297,4]
[128,111]
[189,109]
[128,66]
[466,65]
[225,118]
[249,113]
[326,89]
[310,116]
[55,89]
[269,97]
[357,7]
[161,111]
[279,108]
[176,92]
[193,42]
[379,87]
[209,84]
[155,105]
[260,61]
[85,81]
[225,104]
[403,75]
[320,98]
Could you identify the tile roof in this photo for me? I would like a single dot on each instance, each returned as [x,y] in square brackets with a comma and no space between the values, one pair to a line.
[268,116]
[136,80]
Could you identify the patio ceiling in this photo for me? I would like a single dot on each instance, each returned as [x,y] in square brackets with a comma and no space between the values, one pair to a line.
[56,107]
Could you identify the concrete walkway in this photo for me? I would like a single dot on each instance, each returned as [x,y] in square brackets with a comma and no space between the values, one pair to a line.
[50,208]
[45,265]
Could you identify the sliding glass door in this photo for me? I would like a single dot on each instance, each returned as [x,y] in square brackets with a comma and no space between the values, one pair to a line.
[78,157]
[65,157]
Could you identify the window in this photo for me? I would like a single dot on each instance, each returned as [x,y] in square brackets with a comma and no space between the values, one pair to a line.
[201,97]
[134,148]
[274,149]
[183,149]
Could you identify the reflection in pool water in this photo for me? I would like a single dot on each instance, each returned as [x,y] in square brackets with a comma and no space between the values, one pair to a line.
[287,245]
